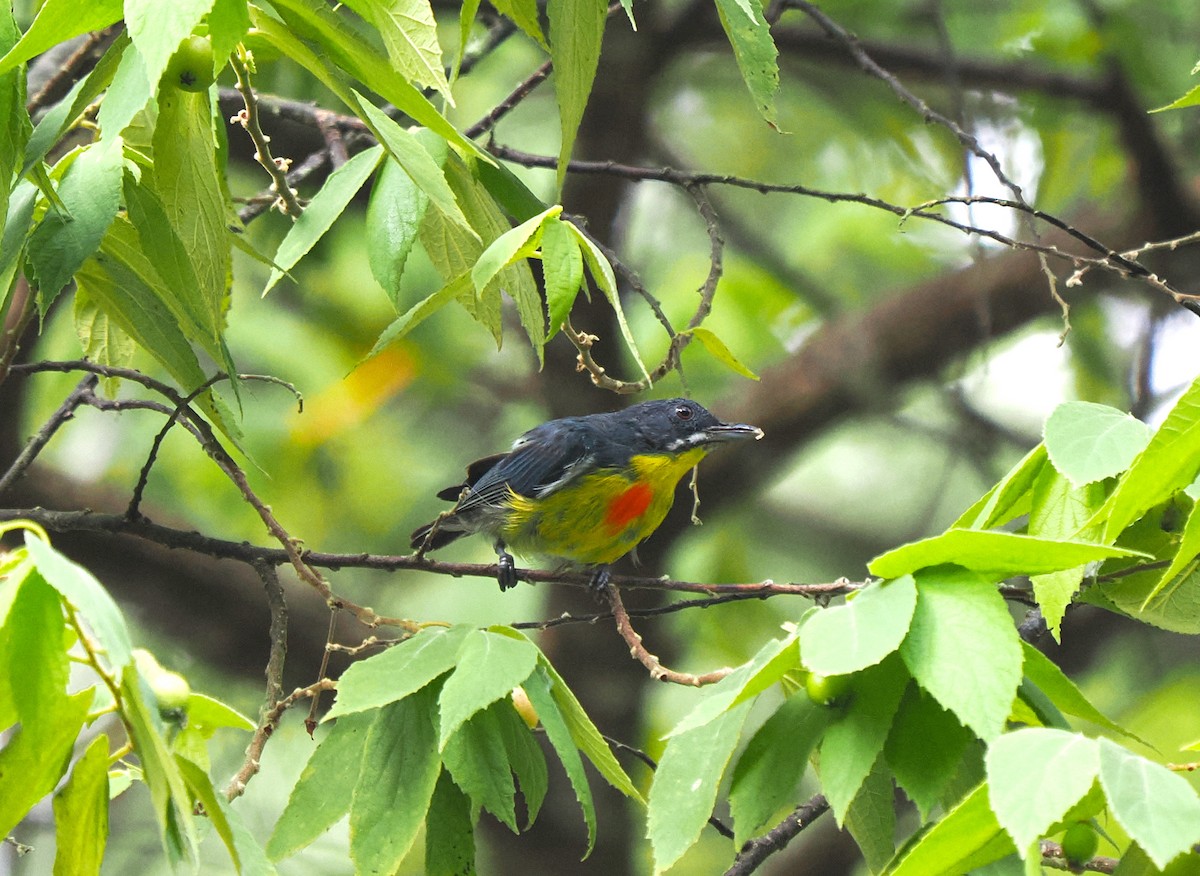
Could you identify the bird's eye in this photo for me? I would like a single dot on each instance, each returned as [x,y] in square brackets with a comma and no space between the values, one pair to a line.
[683,412]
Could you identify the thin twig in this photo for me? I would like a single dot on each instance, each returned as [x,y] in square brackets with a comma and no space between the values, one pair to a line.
[35,445]
[637,650]
[248,118]
[756,851]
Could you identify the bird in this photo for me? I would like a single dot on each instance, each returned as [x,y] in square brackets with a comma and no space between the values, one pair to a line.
[584,490]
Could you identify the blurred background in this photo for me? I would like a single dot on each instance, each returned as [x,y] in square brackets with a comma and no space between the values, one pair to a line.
[904,368]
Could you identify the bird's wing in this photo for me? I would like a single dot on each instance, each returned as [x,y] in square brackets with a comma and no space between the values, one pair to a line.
[536,463]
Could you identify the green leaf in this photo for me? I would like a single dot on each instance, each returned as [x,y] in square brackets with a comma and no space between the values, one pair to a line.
[80,588]
[488,667]
[924,749]
[81,814]
[963,649]
[56,22]
[768,771]
[478,761]
[419,312]
[1062,692]
[1088,442]
[508,191]
[685,785]
[602,273]
[399,671]
[1035,775]
[1059,510]
[202,790]
[966,838]
[190,185]
[407,150]
[576,31]
[400,766]
[322,794]
[871,818]
[168,792]
[583,732]
[326,206]
[719,351]
[524,14]
[35,758]
[394,216]
[227,25]
[1156,807]
[774,660]
[860,633]
[409,35]
[538,687]
[128,95]
[526,759]
[91,195]
[14,134]
[997,554]
[1183,561]
[854,739]
[1168,464]
[157,28]
[755,52]
[100,338]
[39,666]
[515,244]
[1009,499]
[562,268]
[1191,97]
[449,832]
[207,715]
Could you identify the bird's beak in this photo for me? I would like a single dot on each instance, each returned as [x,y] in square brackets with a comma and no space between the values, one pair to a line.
[731,432]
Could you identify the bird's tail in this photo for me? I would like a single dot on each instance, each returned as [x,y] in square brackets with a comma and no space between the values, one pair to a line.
[442,537]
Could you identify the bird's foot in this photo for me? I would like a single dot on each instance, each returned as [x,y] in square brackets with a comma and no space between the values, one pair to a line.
[506,569]
[601,578]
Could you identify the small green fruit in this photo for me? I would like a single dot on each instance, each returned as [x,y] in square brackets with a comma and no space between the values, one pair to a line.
[1079,843]
[170,689]
[191,67]
[826,690]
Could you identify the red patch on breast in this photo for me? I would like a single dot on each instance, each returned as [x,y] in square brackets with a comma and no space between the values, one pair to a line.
[628,506]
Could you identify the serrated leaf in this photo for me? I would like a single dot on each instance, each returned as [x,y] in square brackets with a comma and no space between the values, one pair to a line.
[1010,498]
[201,788]
[419,312]
[583,732]
[1191,97]
[228,22]
[576,30]
[562,269]
[768,771]
[924,748]
[860,633]
[207,715]
[997,554]
[526,759]
[1035,775]
[538,687]
[685,784]
[488,667]
[58,21]
[409,34]
[602,273]
[157,28]
[774,660]
[449,832]
[1088,442]
[524,14]
[477,759]
[394,216]
[407,150]
[34,636]
[399,671]
[400,766]
[1158,808]
[325,208]
[14,135]
[966,838]
[324,790]
[871,818]
[719,351]
[341,48]
[516,243]
[81,813]
[1168,464]
[79,587]
[100,338]
[754,49]
[1062,692]
[963,649]
[90,192]
[855,737]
